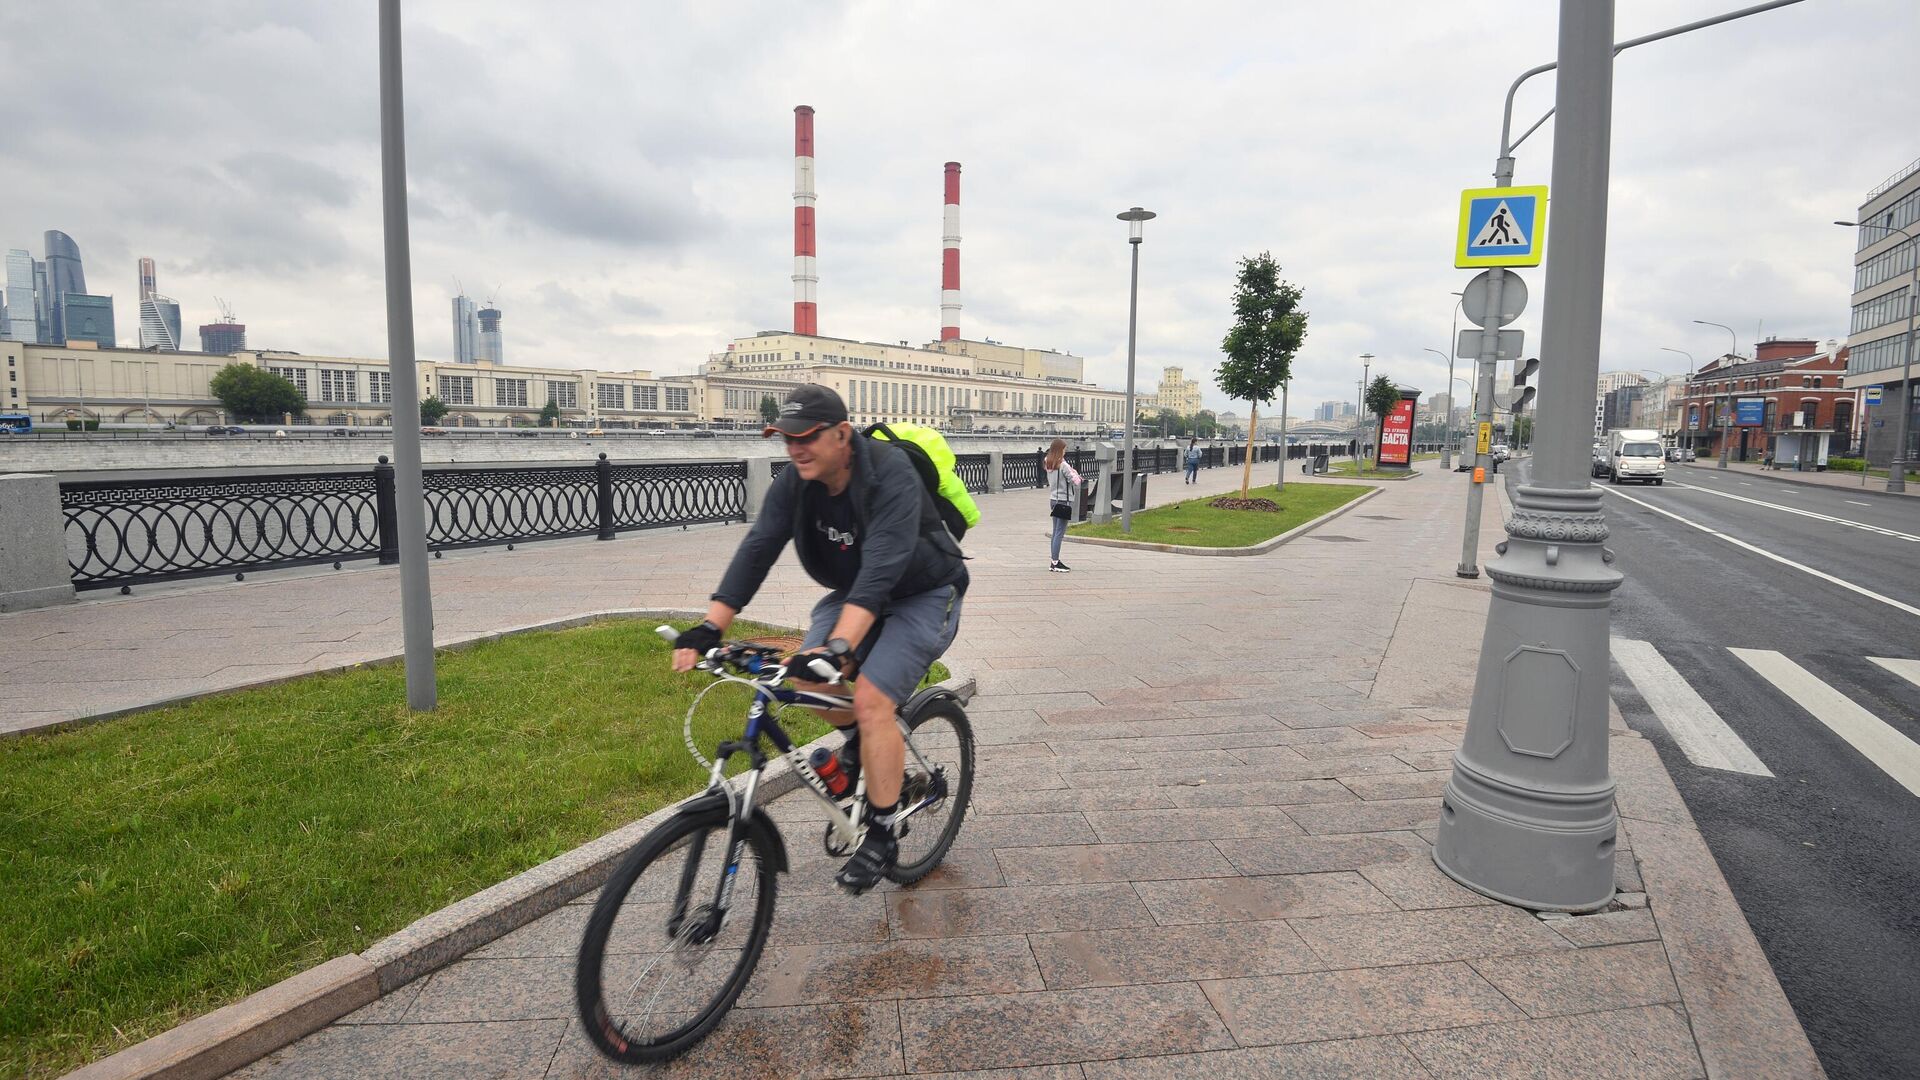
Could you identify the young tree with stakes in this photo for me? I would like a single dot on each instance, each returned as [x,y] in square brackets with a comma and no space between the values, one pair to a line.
[1382,396]
[1268,330]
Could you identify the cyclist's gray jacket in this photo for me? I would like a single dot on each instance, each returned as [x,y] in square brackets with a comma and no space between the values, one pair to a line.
[904,548]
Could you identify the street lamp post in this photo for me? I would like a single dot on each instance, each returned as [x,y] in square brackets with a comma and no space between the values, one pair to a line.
[1360,417]
[1446,459]
[1135,219]
[1897,468]
[1688,384]
[1726,430]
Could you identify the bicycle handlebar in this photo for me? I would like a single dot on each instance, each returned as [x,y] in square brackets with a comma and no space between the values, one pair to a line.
[751,660]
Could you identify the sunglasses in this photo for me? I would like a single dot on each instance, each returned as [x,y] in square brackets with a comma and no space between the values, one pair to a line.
[805,440]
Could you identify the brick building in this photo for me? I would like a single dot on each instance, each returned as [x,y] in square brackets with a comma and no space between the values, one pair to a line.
[1805,410]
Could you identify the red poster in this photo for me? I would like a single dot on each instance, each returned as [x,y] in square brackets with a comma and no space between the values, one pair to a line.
[1396,442]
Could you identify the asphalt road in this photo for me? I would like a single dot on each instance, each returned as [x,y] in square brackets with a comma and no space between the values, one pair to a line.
[1820,854]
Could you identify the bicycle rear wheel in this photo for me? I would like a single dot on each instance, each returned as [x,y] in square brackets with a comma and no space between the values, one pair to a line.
[938,783]
[656,974]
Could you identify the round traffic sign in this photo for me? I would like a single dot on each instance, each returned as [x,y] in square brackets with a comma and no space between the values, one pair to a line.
[1478,305]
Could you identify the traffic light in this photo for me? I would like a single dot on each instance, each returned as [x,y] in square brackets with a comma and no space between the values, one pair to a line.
[1523,394]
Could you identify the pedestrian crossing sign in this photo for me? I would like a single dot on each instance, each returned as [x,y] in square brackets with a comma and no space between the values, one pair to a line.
[1501,227]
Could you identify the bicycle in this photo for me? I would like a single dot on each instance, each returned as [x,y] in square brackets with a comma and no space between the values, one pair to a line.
[657,936]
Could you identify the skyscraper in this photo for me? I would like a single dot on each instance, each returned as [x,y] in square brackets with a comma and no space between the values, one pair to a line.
[160,323]
[42,302]
[159,315]
[88,318]
[223,338]
[64,275]
[491,347]
[466,331]
[22,314]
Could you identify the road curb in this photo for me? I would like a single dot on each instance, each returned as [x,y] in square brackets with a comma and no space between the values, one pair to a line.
[277,1016]
[1741,1019]
[1789,478]
[1256,549]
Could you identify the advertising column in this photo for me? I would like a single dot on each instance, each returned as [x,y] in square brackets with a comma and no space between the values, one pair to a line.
[1396,434]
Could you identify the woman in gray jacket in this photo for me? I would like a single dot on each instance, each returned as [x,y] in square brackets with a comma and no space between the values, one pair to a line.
[1061,482]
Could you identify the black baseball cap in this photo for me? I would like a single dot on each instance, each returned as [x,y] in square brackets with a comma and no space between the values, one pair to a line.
[808,409]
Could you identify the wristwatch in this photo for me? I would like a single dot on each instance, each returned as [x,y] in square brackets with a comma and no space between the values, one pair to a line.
[838,647]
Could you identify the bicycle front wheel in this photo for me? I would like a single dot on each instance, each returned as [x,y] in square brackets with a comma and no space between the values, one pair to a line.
[939,781]
[659,965]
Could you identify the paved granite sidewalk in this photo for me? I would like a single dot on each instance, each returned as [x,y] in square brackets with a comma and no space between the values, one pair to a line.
[1200,842]
[1845,481]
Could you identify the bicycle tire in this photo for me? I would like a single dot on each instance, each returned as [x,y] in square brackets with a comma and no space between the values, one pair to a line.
[606,1034]
[959,791]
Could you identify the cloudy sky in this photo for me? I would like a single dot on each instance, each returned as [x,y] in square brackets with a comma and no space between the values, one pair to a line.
[618,176]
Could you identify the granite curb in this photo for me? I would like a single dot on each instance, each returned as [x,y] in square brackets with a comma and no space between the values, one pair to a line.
[1787,477]
[1256,549]
[279,1015]
[1742,1022]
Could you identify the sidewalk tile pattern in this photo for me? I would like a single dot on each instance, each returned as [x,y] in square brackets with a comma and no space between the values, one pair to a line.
[1199,846]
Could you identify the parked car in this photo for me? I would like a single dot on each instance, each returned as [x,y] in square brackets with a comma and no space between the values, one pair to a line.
[1602,464]
[1673,454]
[1501,451]
[1688,452]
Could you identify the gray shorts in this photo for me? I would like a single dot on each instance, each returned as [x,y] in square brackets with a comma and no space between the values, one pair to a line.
[897,653]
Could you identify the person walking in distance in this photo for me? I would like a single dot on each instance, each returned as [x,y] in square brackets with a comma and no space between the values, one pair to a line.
[1193,461]
[865,527]
[1062,480]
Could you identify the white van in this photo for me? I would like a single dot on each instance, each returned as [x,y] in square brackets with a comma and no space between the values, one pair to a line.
[1636,454]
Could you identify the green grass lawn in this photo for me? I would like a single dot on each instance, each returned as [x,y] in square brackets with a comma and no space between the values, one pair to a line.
[1196,524]
[164,864]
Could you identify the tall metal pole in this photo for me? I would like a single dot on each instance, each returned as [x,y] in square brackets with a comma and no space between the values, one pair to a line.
[1528,814]
[1360,416]
[1126,456]
[410,507]
[1453,336]
[1483,402]
[1726,432]
[1281,484]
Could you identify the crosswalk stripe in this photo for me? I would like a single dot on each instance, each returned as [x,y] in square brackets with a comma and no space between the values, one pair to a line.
[1878,741]
[1906,669]
[1696,728]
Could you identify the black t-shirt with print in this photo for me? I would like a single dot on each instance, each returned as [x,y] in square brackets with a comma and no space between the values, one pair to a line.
[839,542]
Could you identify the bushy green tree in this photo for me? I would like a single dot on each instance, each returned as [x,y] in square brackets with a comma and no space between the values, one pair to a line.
[1382,396]
[431,410]
[1268,330]
[769,408]
[249,393]
[550,413]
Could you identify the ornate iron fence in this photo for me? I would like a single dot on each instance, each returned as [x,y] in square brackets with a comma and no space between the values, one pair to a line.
[122,533]
[1021,471]
[972,470]
[126,532]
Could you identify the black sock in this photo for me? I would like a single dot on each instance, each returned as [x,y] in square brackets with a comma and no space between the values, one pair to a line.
[879,817]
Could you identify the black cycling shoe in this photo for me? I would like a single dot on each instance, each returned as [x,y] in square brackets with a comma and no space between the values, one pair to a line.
[876,855]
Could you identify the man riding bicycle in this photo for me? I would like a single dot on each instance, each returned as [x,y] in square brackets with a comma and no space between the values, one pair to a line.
[864,526]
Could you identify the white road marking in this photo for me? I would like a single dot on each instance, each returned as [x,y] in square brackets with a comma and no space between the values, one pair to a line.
[1765,554]
[1696,728]
[1856,502]
[1743,483]
[1848,522]
[1877,741]
[1906,669]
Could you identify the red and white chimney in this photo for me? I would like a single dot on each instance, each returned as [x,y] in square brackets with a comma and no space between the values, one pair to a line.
[950,258]
[806,277]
